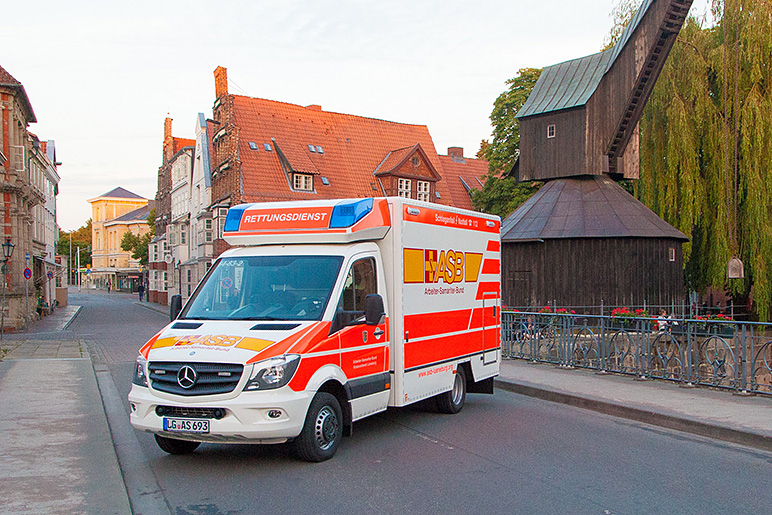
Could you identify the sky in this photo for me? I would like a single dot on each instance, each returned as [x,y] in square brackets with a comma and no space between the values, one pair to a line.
[103,76]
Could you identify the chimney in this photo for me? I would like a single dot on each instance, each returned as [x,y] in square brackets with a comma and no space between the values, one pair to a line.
[220,81]
[456,152]
[168,140]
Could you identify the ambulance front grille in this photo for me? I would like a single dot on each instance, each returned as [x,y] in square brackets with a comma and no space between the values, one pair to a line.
[207,378]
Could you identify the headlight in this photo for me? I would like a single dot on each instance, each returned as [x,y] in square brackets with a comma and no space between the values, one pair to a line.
[140,372]
[272,373]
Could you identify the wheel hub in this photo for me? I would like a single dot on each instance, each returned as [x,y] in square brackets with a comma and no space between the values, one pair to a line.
[326,428]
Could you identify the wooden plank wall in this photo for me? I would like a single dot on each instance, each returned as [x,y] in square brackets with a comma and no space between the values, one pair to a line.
[561,156]
[588,271]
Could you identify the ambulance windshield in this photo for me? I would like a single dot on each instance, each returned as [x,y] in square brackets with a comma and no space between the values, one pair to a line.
[265,288]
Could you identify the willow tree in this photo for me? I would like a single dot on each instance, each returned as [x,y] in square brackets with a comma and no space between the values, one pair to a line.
[706,148]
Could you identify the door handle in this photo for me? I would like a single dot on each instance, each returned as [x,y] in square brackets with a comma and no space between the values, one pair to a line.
[378,332]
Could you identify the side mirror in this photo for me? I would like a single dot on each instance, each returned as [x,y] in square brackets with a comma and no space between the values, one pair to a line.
[175,306]
[373,309]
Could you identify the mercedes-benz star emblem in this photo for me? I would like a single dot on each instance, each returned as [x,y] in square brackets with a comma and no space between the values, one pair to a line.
[186,377]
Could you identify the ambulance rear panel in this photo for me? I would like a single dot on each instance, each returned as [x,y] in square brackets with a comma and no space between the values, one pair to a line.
[443,285]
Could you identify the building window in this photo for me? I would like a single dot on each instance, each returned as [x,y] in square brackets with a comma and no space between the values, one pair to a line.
[303,182]
[671,254]
[551,130]
[404,188]
[222,212]
[183,236]
[423,190]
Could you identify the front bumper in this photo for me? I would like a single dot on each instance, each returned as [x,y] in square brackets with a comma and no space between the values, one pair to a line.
[246,417]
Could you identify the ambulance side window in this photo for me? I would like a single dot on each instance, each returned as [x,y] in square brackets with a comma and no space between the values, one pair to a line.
[360,282]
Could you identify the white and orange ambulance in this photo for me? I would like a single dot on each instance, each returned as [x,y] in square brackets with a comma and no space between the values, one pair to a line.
[323,313]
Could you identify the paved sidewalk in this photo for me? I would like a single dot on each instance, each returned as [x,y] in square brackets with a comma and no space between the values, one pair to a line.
[704,411]
[56,453]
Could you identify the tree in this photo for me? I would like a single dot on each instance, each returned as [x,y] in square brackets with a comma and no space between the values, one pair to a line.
[502,195]
[138,244]
[81,238]
[706,145]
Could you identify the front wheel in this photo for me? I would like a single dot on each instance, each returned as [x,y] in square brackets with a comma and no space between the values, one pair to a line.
[451,402]
[173,446]
[322,430]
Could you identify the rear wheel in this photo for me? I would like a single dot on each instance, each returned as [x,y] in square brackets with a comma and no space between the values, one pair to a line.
[174,446]
[451,402]
[322,430]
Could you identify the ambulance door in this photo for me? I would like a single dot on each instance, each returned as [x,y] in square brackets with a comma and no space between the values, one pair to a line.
[491,327]
[364,348]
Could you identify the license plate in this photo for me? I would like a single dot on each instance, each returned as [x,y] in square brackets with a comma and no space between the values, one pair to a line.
[186,425]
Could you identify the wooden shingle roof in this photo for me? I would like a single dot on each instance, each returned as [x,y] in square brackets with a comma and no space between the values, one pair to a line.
[584,207]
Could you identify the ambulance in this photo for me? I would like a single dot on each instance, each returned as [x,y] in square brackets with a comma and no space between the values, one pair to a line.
[325,312]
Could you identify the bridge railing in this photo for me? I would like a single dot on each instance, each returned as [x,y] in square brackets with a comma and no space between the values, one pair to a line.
[722,354]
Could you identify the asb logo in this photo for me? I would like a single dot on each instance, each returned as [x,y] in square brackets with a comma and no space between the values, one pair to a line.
[429,266]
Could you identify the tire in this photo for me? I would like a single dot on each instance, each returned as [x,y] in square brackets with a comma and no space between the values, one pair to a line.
[174,446]
[322,431]
[451,402]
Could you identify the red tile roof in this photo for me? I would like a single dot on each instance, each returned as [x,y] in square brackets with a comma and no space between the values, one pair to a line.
[6,79]
[462,174]
[180,143]
[352,147]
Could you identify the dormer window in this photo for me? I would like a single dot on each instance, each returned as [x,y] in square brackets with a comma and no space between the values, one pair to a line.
[550,131]
[303,182]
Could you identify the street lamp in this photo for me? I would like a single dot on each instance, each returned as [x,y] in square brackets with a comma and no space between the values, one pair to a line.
[5,269]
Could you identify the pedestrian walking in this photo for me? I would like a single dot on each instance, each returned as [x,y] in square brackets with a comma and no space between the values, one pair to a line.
[141,291]
[108,286]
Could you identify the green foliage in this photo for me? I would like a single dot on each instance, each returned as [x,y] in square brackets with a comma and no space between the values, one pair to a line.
[502,151]
[80,238]
[706,149]
[502,195]
[622,14]
[151,222]
[137,245]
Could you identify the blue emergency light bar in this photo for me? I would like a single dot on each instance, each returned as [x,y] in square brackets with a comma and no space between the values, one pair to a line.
[344,214]
[349,213]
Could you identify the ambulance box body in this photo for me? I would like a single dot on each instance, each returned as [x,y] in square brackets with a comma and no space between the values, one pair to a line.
[325,312]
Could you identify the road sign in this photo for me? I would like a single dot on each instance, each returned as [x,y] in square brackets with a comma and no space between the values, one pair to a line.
[27,273]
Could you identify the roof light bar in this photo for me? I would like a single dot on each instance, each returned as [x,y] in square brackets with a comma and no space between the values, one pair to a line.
[347,214]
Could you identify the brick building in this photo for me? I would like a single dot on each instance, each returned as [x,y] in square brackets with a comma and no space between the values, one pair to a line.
[264,150]
[29,185]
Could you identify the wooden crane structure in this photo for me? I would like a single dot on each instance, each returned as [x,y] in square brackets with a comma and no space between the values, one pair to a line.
[582,240]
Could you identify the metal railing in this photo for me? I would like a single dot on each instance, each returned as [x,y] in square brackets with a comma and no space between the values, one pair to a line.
[732,355]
